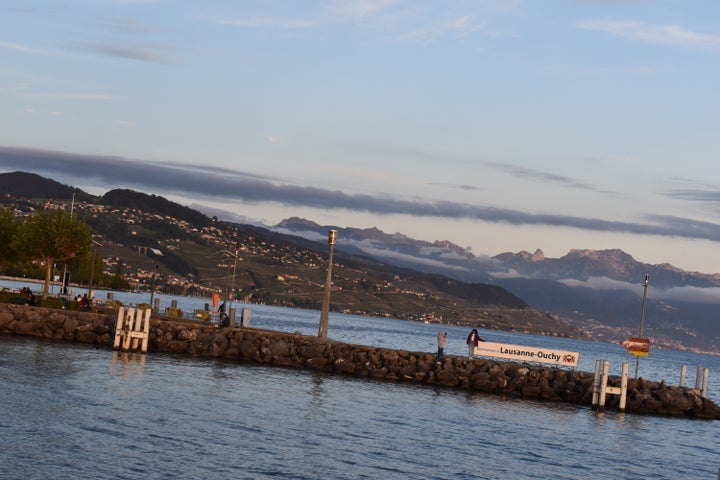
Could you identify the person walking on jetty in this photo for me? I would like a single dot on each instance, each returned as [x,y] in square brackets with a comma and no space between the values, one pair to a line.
[442,340]
[472,341]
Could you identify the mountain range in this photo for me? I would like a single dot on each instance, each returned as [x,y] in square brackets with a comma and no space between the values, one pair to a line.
[596,293]
[599,291]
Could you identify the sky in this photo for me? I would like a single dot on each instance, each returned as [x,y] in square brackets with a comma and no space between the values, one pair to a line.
[500,126]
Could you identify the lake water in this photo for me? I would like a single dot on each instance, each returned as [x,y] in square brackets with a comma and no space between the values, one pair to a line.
[72,411]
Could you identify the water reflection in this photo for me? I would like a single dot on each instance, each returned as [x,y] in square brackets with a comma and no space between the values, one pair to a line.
[317,391]
[125,364]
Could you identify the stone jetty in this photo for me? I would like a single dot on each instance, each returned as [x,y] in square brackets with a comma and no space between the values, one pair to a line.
[242,344]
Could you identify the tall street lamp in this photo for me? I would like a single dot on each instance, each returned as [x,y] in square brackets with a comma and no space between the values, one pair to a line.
[642,320]
[235,256]
[92,270]
[152,288]
[322,332]
[65,272]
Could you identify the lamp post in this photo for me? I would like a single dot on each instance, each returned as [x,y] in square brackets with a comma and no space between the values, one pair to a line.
[642,321]
[322,332]
[152,288]
[235,256]
[92,274]
[63,291]
[92,270]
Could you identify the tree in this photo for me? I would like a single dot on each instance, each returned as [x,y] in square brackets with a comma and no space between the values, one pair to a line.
[8,227]
[53,236]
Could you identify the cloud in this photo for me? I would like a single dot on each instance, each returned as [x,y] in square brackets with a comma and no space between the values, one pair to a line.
[337,13]
[511,273]
[697,195]
[391,255]
[228,185]
[54,113]
[130,25]
[140,53]
[361,8]
[604,2]
[269,22]
[463,186]
[403,20]
[524,172]
[686,294]
[601,283]
[673,35]
[460,26]
[22,48]
[692,294]
[381,251]
[72,96]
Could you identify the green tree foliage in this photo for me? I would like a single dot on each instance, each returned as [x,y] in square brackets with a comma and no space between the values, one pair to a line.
[117,279]
[88,268]
[8,226]
[52,236]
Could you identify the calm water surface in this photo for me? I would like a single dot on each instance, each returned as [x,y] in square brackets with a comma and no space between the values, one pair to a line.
[70,411]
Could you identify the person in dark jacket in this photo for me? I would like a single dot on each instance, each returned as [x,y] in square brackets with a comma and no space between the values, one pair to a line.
[472,341]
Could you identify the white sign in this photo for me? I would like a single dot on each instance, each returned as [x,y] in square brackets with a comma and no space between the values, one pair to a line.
[527,354]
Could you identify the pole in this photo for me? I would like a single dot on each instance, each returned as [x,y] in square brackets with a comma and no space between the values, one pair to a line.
[92,274]
[642,322]
[64,280]
[152,288]
[235,256]
[232,292]
[322,332]
[92,270]
[227,285]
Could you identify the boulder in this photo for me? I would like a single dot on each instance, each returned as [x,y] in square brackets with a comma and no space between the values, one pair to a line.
[6,318]
[447,377]
[344,366]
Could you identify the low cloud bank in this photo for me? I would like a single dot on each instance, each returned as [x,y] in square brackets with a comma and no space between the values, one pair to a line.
[706,295]
[201,181]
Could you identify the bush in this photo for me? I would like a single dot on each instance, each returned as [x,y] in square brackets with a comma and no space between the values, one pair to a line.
[114,304]
[12,297]
[57,303]
[173,312]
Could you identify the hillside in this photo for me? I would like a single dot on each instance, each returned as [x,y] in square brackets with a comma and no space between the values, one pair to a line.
[23,185]
[597,291]
[192,253]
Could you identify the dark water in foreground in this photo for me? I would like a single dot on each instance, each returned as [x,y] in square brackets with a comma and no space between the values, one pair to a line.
[75,412]
[71,411]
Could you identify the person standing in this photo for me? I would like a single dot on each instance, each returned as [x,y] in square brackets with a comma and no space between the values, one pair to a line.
[472,341]
[442,340]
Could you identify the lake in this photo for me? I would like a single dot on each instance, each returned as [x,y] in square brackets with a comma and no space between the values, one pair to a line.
[73,411]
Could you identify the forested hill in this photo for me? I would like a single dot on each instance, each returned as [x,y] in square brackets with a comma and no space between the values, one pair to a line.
[123,198]
[25,185]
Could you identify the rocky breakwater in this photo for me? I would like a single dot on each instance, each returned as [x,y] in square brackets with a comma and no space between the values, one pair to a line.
[508,379]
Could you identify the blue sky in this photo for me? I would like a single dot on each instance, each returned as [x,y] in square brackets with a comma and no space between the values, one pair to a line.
[498,125]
